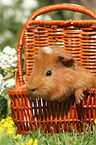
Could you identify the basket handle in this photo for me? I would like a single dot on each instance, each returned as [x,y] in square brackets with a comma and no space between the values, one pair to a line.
[66,6]
[40,11]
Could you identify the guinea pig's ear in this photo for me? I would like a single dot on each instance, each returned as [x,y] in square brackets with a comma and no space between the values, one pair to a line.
[68,62]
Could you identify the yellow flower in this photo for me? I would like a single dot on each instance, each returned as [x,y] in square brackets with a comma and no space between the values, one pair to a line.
[8,118]
[10,131]
[6,125]
[11,122]
[95,121]
[35,141]
[22,143]
[0,131]
[30,141]
[16,136]
[3,121]
[0,124]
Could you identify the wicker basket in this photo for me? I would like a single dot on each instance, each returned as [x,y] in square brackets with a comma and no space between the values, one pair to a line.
[78,37]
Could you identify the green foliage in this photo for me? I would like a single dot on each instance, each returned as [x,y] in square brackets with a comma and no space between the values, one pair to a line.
[3,107]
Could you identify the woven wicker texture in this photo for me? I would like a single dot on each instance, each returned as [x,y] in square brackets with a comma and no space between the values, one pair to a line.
[78,37]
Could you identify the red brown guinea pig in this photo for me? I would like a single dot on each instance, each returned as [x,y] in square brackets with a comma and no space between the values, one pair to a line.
[56,76]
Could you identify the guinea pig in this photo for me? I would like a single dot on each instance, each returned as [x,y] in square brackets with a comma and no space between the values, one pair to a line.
[56,76]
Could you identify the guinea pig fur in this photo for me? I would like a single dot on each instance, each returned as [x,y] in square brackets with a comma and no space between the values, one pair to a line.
[56,75]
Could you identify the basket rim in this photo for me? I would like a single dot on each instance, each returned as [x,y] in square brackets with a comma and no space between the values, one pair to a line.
[62,22]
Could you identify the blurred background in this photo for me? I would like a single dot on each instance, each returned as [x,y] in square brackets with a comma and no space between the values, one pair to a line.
[15,13]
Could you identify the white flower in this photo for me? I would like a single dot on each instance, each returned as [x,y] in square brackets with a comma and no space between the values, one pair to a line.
[14,58]
[39,17]
[27,13]
[10,60]
[10,51]
[30,4]
[45,17]
[7,49]
[7,34]
[14,64]
[5,57]
[9,65]
[10,83]
[13,51]
[2,86]
[1,78]
[20,17]
[3,64]
[7,2]
[1,53]
[8,13]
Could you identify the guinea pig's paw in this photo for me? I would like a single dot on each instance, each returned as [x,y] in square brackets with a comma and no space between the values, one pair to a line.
[79,95]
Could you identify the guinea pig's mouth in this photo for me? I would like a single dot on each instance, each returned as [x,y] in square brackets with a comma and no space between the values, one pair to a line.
[35,94]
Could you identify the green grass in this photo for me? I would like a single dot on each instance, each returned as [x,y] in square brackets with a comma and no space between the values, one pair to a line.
[75,138]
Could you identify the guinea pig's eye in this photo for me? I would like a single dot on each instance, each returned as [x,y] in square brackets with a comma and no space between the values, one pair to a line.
[49,73]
